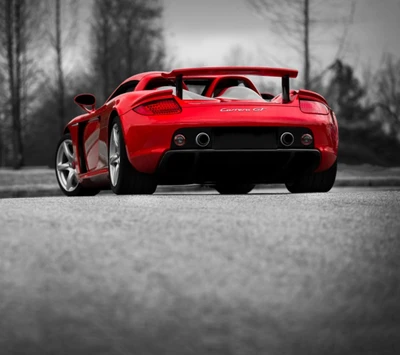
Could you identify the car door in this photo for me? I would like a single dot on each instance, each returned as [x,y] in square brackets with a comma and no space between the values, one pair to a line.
[95,132]
[91,134]
[102,145]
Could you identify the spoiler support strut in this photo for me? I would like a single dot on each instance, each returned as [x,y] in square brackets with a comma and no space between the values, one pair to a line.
[285,89]
[179,85]
[284,73]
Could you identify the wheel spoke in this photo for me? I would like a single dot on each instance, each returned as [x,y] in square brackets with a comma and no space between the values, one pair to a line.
[63,167]
[116,137]
[68,153]
[114,155]
[70,179]
[116,173]
[112,172]
[114,159]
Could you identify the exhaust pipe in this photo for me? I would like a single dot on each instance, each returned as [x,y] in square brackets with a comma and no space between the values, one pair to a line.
[202,139]
[287,139]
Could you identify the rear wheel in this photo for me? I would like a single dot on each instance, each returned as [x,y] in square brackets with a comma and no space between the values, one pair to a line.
[315,182]
[234,189]
[66,170]
[124,178]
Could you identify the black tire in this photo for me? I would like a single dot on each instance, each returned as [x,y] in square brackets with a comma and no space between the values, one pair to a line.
[315,182]
[61,175]
[233,189]
[129,180]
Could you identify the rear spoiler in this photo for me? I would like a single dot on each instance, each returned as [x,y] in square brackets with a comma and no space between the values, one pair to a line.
[283,73]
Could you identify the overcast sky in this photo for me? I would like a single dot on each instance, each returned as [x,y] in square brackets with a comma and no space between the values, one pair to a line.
[203,32]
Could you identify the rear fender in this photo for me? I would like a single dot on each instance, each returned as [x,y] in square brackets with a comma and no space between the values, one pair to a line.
[127,102]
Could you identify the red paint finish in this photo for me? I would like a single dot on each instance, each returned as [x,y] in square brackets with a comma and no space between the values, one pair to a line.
[91,144]
[235,70]
[148,135]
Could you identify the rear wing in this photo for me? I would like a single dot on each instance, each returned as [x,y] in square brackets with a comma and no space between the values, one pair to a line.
[283,73]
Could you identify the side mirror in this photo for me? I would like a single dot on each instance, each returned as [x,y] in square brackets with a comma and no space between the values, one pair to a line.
[86,101]
[267,96]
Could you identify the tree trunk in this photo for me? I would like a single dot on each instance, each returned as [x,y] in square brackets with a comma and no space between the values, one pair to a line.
[10,49]
[60,71]
[19,151]
[13,35]
[103,48]
[105,68]
[1,140]
[306,44]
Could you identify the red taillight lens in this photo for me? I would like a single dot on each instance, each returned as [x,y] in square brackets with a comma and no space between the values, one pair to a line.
[160,107]
[317,108]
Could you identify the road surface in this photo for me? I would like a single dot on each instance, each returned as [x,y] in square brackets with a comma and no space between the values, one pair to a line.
[267,273]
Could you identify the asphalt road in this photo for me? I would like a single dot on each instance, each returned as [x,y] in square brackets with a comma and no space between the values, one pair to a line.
[267,273]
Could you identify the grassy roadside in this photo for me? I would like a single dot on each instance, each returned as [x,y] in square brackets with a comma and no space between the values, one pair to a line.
[27,177]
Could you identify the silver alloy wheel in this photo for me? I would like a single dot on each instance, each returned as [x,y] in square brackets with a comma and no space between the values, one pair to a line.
[66,171]
[114,155]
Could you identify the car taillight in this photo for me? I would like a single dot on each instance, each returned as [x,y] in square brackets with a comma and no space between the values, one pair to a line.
[306,139]
[159,107]
[317,108]
[180,140]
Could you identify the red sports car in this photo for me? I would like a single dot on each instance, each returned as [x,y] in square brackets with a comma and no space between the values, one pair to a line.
[206,126]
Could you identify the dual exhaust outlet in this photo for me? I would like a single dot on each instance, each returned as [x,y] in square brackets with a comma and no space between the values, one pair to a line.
[287,139]
[203,139]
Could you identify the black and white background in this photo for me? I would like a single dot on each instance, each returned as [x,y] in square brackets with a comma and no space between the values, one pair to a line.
[190,271]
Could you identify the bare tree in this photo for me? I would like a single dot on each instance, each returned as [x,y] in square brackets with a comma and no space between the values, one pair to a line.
[347,95]
[300,23]
[238,55]
[4,97]
[16,35]
[102,30]
[13,47]
[60,69]
[3,127]
[387,94]
[127,39]
[61,31]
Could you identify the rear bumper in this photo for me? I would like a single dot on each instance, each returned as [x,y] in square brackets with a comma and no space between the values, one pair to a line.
[149,147]
[240,165]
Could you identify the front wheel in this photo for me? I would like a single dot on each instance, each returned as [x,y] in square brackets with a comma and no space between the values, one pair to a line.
[234,189]
[314,182]
[66,170]
[124,178]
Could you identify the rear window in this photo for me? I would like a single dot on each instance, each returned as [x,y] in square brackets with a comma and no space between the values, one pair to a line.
[187,95]
[198,86]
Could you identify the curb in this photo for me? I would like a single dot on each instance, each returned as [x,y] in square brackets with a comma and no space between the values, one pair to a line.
[367,182]
[53,191]
[47,191]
